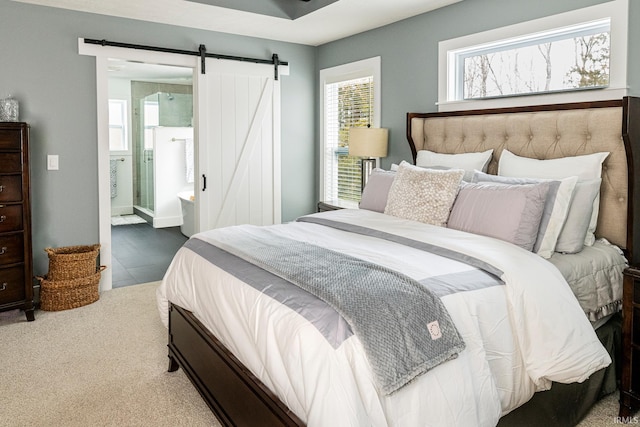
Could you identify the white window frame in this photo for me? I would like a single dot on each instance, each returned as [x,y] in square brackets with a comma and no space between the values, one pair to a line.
[617,11]
[352,70]
[124,128]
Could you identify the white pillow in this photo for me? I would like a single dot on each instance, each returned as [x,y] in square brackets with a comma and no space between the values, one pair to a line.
[585,167]
[467,161]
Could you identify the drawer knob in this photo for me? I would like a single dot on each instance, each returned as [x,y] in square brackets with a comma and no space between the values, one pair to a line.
[3,250]
[1,188]
[3,218]
[4,286]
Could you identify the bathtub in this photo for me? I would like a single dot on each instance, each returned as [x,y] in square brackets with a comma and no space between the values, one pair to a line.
[188,226]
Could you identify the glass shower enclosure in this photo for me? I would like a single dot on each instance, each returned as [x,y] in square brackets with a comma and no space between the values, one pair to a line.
[158,109]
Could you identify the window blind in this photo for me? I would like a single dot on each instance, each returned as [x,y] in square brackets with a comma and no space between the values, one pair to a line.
[348,103]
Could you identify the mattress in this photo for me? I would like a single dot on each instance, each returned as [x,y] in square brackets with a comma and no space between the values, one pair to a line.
[519,335]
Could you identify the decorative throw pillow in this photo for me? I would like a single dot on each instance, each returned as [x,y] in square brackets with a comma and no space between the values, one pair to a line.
[585,167]
[467,161]
[572,236]
[376,192]
[556,207]
[507,212]
[424,195]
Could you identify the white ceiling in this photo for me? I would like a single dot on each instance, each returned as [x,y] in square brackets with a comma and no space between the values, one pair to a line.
[331,21]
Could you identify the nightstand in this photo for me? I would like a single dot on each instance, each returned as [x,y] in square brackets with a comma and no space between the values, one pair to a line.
[332,205]
[630,380]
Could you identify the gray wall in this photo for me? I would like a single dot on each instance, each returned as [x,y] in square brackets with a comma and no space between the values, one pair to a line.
[409,52]
[56,89]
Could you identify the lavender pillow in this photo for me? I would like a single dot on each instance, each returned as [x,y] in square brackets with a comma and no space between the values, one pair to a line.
[376,192]
[507,212]
[555,211]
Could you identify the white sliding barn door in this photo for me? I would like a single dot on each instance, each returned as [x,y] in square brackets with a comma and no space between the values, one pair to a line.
[238,144]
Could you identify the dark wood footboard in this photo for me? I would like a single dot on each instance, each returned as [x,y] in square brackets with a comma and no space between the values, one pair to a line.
[234,394]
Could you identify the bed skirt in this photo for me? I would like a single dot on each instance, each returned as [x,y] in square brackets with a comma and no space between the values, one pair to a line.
[567,404]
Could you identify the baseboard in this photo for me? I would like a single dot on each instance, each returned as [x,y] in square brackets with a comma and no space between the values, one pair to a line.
[167,221]
[121,210]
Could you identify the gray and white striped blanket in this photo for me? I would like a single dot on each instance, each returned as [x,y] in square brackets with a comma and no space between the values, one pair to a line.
[403,326]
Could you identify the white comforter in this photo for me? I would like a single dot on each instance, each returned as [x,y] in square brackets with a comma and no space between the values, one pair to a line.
[519,337]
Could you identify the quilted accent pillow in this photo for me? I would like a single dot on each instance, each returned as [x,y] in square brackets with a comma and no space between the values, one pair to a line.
[424,195]
[507,212]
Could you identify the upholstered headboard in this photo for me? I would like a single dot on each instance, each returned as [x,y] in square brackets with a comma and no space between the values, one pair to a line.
[547,132]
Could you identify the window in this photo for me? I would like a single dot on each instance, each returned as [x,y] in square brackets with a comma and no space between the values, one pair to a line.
[350,98]
[570,58]
[118,125]
[561,55]
[151,120]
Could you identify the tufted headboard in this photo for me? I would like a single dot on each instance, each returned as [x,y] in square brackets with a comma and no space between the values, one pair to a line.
[548,132]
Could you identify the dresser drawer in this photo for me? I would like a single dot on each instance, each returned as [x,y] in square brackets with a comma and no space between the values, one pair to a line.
[10,218]
[10,139]
[10,162]
[11,248]
[12,284]
[10,188]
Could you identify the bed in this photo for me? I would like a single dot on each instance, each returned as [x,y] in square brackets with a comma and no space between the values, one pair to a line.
[257,363]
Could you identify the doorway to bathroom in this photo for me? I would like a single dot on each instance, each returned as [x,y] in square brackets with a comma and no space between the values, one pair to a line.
[236,141]
[151,152]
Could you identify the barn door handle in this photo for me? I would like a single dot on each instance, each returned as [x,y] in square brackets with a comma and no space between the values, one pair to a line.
[204,182]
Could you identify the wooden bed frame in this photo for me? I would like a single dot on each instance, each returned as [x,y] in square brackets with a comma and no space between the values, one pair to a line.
[237,397]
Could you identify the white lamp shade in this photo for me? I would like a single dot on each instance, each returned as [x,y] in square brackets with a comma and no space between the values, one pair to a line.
[368,142]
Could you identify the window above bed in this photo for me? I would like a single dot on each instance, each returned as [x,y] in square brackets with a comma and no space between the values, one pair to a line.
[575,56]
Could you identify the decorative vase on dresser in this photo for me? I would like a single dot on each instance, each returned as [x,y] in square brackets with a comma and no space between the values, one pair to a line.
[16,270]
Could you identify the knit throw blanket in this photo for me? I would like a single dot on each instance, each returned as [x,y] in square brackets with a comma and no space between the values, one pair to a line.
[404,328]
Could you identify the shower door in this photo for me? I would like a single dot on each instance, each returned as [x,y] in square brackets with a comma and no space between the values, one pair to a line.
[149,118]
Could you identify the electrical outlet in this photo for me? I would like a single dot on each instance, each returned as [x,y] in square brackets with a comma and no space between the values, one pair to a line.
[52,162]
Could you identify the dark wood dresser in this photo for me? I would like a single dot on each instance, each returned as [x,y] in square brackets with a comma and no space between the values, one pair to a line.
[16,270]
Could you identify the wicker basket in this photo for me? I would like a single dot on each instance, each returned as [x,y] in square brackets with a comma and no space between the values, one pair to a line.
[56,295]
[72,262]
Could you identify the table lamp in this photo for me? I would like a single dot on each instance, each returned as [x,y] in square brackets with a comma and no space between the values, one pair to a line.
[368,143]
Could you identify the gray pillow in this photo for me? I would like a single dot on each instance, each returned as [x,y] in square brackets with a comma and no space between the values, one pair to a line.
[376,192]
[555,211]
[507,212]
[574,231]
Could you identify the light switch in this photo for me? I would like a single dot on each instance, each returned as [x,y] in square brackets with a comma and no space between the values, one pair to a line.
[52,162]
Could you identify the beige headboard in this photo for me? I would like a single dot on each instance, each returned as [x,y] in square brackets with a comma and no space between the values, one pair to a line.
[547,133]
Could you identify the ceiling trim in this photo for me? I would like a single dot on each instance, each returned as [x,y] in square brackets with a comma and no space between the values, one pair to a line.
[346,17]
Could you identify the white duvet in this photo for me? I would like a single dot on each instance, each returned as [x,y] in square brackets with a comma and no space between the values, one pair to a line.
[519,337]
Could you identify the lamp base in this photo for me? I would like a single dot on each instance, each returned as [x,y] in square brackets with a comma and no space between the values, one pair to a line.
[367,167]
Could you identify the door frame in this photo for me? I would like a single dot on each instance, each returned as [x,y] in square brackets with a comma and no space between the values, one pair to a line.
[102,54]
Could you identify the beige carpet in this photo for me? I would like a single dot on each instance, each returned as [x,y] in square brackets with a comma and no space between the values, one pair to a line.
[604,413]
[105,364]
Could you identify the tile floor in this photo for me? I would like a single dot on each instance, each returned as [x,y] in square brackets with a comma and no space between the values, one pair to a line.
[141,253]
